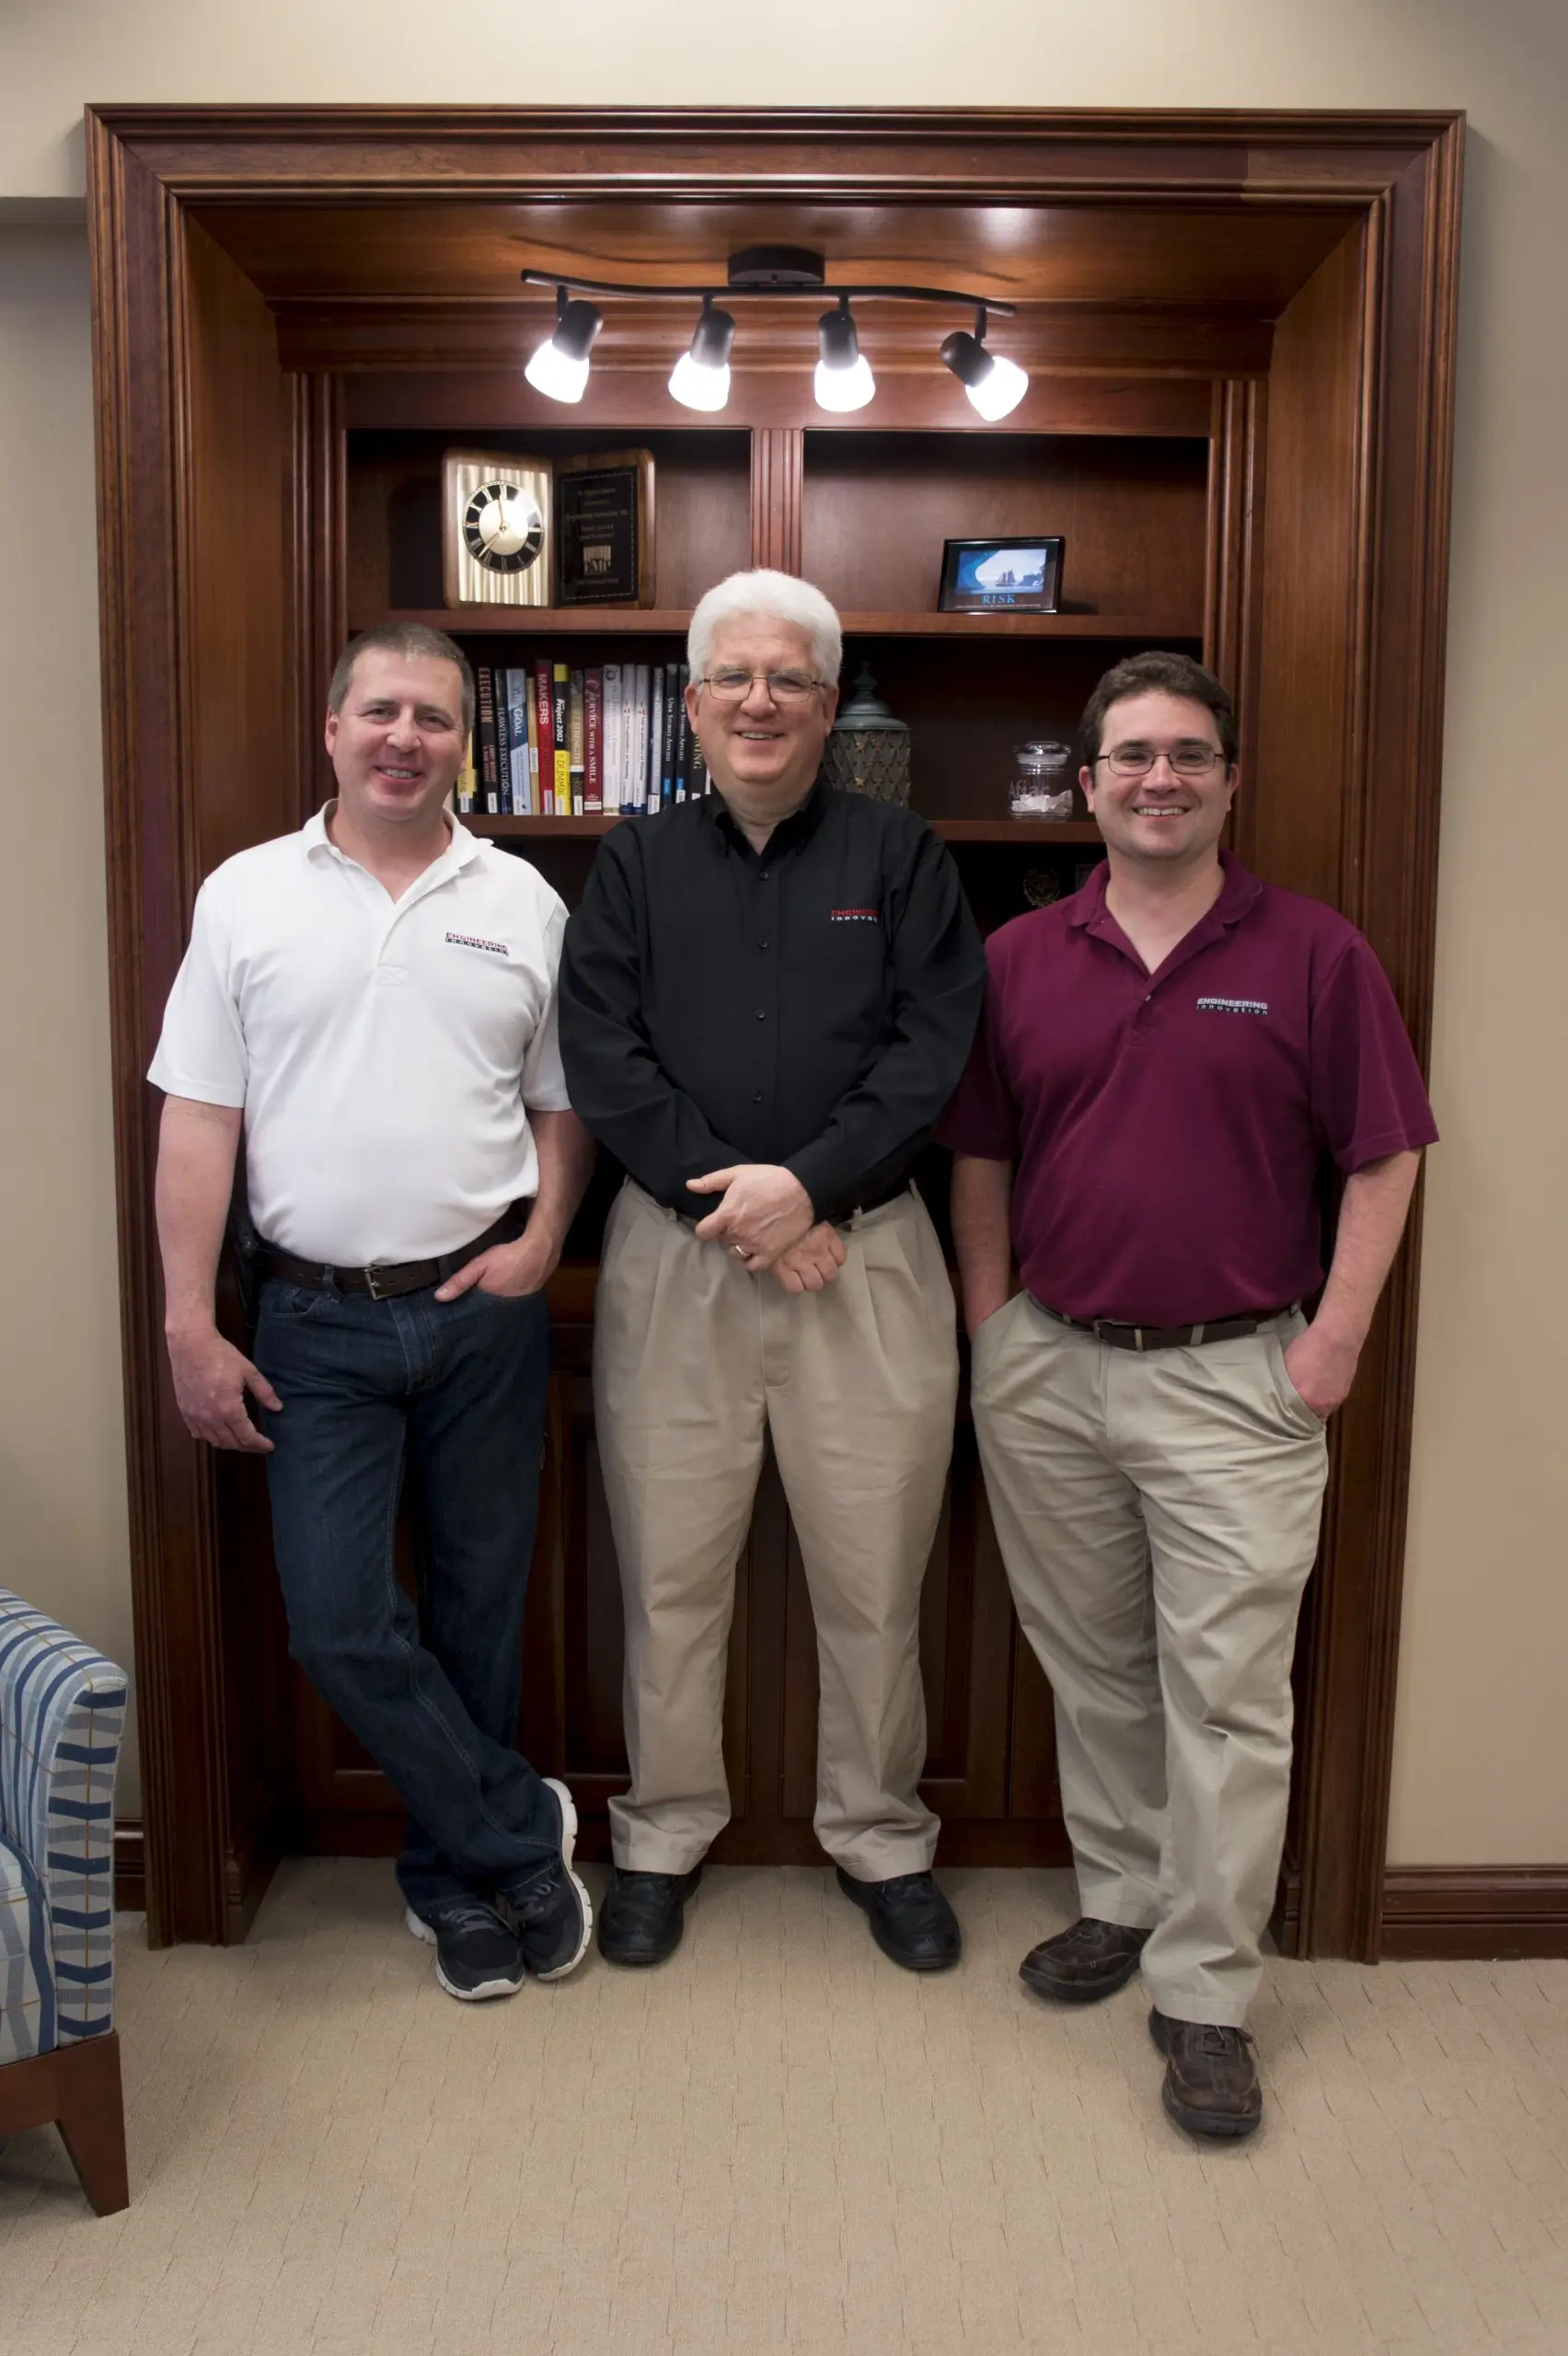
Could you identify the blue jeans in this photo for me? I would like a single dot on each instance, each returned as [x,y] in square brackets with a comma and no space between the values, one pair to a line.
[451,1396]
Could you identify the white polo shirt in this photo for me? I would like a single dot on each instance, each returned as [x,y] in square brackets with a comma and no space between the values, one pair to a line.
[385,1053]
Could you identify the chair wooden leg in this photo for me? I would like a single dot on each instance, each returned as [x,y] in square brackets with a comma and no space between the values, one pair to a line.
[91,2117]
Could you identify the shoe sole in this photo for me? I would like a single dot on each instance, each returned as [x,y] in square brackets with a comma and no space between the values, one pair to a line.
[585,1905]
[1077,1992]
[480,1996]
[905,1962]
[1214,2126]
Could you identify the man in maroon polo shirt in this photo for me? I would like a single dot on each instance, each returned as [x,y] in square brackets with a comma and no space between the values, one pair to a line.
[1167,1062]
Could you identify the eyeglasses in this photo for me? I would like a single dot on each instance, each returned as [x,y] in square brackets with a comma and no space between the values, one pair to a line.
[1186,760]
[786,688]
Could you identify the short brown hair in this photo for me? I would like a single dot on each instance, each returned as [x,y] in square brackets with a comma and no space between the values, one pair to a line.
[407,638]
[1162,674]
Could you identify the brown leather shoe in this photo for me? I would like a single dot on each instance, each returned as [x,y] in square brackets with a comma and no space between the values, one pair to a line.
[1211,2081]
[1091,1960]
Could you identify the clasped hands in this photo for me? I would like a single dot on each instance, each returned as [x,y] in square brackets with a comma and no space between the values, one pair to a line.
[766,1219]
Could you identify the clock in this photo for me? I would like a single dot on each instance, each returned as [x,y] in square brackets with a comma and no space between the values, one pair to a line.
[498,535]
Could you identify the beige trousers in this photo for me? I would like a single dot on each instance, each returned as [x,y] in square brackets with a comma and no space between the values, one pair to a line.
[695,1362]
[1157,1516]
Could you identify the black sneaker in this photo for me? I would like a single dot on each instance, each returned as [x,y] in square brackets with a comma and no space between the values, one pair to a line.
[911,1921]
[643,1915]
[550,1907]
[476,1954]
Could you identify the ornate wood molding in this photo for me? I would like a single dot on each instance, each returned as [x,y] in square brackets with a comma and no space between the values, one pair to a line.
[1447,1912]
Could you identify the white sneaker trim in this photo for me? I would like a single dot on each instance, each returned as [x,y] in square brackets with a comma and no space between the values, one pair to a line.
[585,1905]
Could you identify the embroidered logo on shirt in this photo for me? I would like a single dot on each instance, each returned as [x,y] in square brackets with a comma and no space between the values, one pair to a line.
[853,915]
[1233,1006]
[472,941]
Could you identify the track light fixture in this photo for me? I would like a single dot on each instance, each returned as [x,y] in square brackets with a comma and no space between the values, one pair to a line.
[701,379]
[560,367]
[995,386]
[843,378]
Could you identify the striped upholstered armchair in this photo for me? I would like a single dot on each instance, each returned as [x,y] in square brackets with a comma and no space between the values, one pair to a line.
[61,1715]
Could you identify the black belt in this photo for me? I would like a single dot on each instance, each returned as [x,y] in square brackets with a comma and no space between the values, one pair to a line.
[387,1280]
[1165,1337]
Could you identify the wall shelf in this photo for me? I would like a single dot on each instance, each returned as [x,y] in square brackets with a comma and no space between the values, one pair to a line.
[1018,831]
[652,621]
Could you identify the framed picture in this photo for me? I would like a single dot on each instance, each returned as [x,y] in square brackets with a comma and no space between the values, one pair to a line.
[605,529]
[1020,575]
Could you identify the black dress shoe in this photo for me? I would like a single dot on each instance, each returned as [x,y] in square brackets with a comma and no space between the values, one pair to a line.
[910,1919]
[643,1914]
[1211,2081]
[1081,1965]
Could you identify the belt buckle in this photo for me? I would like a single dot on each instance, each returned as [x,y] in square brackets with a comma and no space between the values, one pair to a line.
[372,1282]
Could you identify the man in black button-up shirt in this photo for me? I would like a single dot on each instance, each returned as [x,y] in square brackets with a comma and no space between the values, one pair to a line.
[766,998]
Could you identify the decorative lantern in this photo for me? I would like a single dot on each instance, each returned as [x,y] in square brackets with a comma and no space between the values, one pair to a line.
[868,750]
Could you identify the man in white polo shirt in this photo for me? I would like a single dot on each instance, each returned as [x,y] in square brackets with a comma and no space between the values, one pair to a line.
[372,1003]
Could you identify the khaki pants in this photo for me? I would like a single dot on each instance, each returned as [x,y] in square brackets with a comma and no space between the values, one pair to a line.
[695,1362]
[1159,1515]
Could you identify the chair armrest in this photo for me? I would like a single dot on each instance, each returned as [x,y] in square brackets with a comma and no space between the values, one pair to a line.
[62,1716]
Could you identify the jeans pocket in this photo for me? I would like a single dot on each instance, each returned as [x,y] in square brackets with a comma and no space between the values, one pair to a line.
[291,1303]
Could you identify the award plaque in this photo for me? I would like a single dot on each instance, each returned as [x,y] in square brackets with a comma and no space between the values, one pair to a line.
[605,529]
[498,548]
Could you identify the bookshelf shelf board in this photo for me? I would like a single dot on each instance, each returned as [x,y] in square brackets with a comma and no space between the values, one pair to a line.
[1105,626]
[538,622]
[948,830]
[670,621]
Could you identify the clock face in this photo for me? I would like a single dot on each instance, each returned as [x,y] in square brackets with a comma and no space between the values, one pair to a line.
[503,527]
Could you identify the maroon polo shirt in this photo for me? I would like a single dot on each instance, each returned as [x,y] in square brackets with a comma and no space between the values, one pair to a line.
[1169,1128]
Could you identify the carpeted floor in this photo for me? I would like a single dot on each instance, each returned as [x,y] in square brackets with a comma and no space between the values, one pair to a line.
[779,2141]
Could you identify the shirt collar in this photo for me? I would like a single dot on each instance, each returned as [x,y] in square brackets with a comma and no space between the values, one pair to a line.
[798,827]
[1237,893]
[462,847]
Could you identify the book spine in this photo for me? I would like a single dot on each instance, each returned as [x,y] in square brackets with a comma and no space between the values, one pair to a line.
[502,743]
[699,782]
[577,742]
[655,755]
[489,774]
[560,721]
[593,741]
[466,781]
[543,729]
[683,733]
[614,714]
[519,699]
[667,756]
[536,805]
[640,748]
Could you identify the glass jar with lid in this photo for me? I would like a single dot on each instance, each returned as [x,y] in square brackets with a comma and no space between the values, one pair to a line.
[1041,785]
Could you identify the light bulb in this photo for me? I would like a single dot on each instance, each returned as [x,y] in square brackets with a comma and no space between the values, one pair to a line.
[557,376]
[696,386]
[1000,389]
[843,389]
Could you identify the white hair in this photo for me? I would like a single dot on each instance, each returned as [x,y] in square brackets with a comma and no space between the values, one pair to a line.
[783,598]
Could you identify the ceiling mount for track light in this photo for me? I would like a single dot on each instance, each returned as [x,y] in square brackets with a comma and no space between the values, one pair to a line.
[777,270]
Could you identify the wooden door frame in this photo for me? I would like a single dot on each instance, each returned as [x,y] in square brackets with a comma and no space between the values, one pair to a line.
[148,166]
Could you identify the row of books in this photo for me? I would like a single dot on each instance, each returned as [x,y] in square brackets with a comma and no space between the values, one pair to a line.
[553,741]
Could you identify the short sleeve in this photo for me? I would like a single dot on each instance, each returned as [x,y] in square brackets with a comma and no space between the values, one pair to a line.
[1369,1098]
[201,1051]
[543,1081]
[982,1119]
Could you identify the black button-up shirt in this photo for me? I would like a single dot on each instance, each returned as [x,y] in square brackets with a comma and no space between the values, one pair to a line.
[812,1004]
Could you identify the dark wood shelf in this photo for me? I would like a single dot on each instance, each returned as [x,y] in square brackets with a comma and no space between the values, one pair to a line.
[948,830]
[669,622]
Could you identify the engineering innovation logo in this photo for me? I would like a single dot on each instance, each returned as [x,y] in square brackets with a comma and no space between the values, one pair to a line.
[1233,1006]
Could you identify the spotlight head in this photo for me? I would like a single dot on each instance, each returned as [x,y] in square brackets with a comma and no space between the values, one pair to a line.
[558,368]
[993,386]
[843,378]
[701,379]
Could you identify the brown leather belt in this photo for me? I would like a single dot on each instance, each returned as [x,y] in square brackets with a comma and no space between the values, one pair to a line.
[1165,1337]
[389,1280]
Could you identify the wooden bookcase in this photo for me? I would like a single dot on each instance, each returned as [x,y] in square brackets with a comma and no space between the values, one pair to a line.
[1238,331]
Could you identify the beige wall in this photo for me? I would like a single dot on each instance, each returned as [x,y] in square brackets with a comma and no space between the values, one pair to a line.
[1479,1772]
[63,1536]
